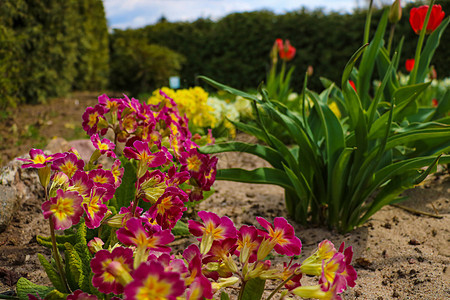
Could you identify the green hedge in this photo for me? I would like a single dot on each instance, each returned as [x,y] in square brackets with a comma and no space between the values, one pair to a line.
[235,50]
[50,47]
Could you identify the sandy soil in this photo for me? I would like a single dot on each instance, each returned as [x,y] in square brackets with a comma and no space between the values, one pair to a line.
[398,254]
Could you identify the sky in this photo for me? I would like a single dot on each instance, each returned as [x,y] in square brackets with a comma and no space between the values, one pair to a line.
[138,13]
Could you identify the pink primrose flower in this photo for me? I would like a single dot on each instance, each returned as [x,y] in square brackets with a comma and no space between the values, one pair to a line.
[193,161]
[105,146]
[208,177]
[109,104]
[69,164]
[193,257]
[142,153]
[248,243]
[332,268]
[349,272]
[112,270]
[150,281]
[280,236]
[145,236]
[169,208]
[170,263]
[80,295]
[200,289]
[65,209]
[212,229]
[175,178]
[288,271]
[94,120]
[117,173]
[38,159]
[81,183]
[94,207]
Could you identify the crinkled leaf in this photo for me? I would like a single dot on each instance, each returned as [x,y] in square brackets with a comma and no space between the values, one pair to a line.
[25,287]
[52,274]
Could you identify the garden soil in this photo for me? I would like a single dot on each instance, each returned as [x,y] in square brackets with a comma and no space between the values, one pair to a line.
[398,254]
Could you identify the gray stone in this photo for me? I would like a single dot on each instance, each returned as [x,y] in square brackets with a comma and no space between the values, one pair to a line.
[16,185]
[9,203]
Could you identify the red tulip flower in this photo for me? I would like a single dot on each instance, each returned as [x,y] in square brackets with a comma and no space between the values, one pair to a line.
[353,85]
[286,51]
[409,64]
[434,102]
[417,17]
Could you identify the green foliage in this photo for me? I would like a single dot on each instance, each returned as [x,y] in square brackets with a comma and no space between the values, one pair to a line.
[180,228]
[125,192]
[254,289]
[52,273]
[47,48]
[74,267]
[341,171]
[25,287]
[137,66]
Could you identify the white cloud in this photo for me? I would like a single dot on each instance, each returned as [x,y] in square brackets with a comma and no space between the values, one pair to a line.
[138,13]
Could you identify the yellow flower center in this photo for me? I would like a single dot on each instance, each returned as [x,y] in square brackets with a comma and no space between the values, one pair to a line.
[216,232]
[62,208]
[69,168]
[93,119]
[194,163]
[153,289]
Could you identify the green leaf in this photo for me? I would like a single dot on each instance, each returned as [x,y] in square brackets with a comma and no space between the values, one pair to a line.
[180,228]
[259,175]
[376,100]
[229,89]
[429,49]
[46,241]
[368,61]
[56,295]
[269,154]
[299,209]
[254,288]
[402,97]
[125,192]
[25,287]
[395,187]
[74,266]
[52,274]
[350,64]
[334,134]
[224,296]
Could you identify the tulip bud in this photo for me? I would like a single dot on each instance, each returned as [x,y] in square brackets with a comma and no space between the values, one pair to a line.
[433,73]
[395,13]
[310,71]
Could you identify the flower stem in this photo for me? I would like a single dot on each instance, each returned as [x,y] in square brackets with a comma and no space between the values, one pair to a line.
[55,248]
[241,291]
[391,37]
[56,254]
[280,286]
[412,78]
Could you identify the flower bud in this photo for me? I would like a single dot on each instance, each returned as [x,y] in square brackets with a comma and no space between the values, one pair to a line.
[95,245]
[395,13]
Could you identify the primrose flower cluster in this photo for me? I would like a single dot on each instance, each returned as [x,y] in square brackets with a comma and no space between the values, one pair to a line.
[226,256]
[156,136]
